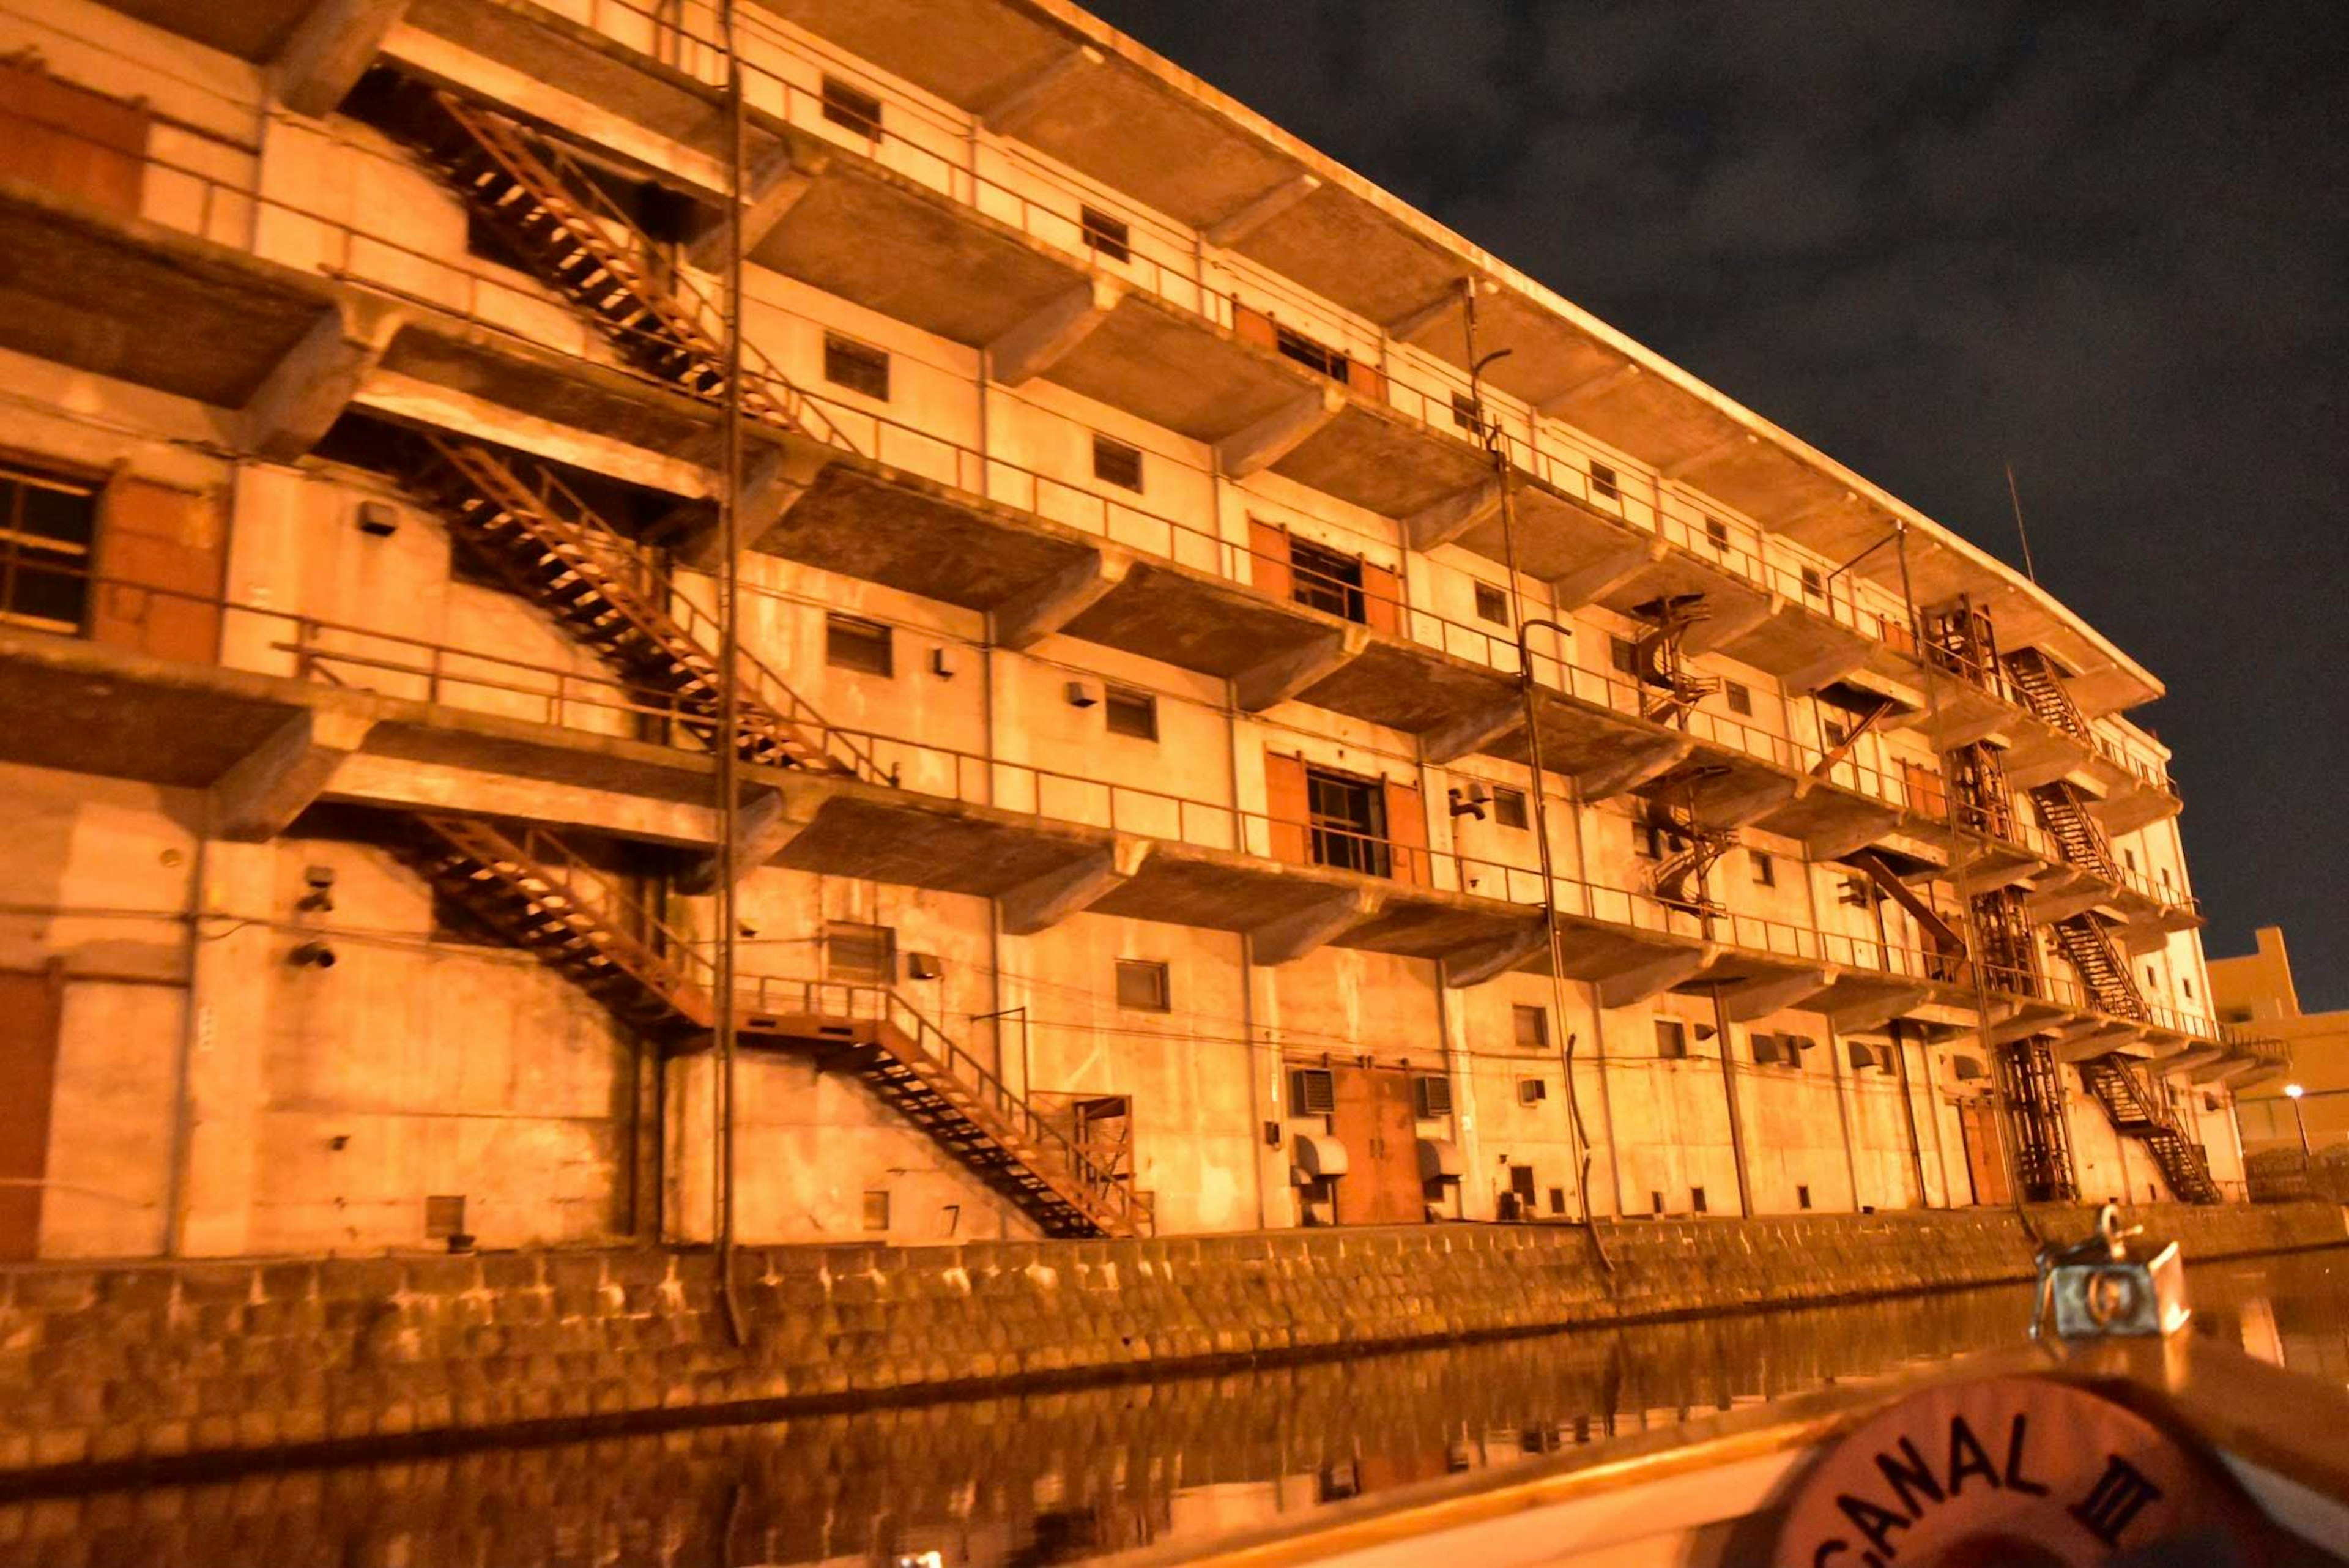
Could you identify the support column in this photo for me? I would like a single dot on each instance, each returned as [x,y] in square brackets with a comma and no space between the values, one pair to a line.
[1909,1111]
[1736,1115]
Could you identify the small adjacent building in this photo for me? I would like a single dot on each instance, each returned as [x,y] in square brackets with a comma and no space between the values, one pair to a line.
[2255,994]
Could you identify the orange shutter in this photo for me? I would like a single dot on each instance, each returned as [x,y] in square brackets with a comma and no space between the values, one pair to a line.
[1925,797]
[1367,379]
[1381,600]
[151,537]
[1286,802]
[30,1004]
[74,141]
[1254,325]
[1269,560]
[1407,831]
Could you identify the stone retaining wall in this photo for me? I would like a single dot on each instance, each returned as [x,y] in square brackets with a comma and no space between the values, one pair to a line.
[115,1365]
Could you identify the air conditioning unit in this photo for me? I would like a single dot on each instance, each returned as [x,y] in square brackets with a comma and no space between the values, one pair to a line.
[925,966]
[1082,693]
[1532,1091]
[1434,1096]
[1772,1049]
[1313,1092]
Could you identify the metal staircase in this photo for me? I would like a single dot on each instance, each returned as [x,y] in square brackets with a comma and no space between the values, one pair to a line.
[2063,811]
[2084,943]
[550,213]
[1693,847]
[1959,638]
[2130,1105]
[537,893]
[553,548]
[1661,666]
[2035,1102]
[2034,679]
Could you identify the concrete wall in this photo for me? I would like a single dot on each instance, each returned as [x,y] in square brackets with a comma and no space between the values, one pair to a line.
[170,1361]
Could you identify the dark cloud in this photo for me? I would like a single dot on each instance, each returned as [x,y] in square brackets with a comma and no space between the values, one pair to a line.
[2108,245]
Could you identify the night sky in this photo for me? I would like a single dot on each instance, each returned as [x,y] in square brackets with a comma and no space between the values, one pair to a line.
[2108,245]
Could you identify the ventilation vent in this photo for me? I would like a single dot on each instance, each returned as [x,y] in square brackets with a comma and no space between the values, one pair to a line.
[444,1217]
[1434,1096]
[1532,1091]
[1313,1092]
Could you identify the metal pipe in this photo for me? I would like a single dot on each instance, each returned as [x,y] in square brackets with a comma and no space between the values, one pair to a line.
[730,694]
[1488,431]
[1728,1091]
[183,1070]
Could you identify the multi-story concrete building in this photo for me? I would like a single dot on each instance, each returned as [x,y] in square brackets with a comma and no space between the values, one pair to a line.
[2256,991]
[1148,630]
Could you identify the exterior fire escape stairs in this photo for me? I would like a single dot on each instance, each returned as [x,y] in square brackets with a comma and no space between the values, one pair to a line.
[551,213]
[2036,680]
[2131,1106]
[551,547]
[1661,665]
[539,895]
[1680,881]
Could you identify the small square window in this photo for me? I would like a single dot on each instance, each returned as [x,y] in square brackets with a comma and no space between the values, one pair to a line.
[1509,807]
[1802,1197]
[1114,462]
[853,643]
[1532,1091]
[1133,713]
[1464,412]
[1837,734]
[860,954]
[1492,604]
[444,1217]
[853,107]
[1603,482]
[1765,870]
[876,1212]
[1813,584]
[1740,696]
[1716,532]
[1558,1200]
[1106,234]
[2128,857]
[1532,1026]
[1623,655]
[1696,1199]
[1672,1039]
[2189,987]
[859,366]
[1655,1202]
[1141,986]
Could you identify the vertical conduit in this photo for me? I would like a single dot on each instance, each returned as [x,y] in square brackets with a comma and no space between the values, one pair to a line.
[730,695]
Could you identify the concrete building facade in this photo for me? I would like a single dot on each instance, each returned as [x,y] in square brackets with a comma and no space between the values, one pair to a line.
[2308,1105]
[1204,758]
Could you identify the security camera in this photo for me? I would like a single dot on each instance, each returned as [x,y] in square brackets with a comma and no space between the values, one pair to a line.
[311,955]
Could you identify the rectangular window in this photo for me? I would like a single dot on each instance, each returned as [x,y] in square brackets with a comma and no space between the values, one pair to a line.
[1532,1027]
[1313,356]
[1133,713]
[2128,857]
[858,953]
[1558,1200]
[1492,604]
[1509,807]
[1349,822]
[1672,1039]
[1655,1202]
[1313,1092]
[1802,1197]
[1532,1091]
[1716,532]
[444,1216]
[859,366]
[1813,586]
[1623,655]
[853,107]
[48,530]
[1114,462]
[876,1212]
[1142,985]
[1434,1096]
[1604,483]
[1696,1199]
[1106,234]
[1326,580]
[1463,414]
[1834,732]
[1765,870]
[1740,697]
[850,642]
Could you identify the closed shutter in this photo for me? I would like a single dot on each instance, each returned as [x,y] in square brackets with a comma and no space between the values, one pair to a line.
[1269,560]
[1289,807]
[1367,379]
[1254,326]
[1407,830]
[75,143]
[1381,600]
[1925,797]
[29,1006]
[151,537]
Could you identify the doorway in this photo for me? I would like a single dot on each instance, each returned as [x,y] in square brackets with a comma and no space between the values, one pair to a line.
[1985,1163]
[1373,1114]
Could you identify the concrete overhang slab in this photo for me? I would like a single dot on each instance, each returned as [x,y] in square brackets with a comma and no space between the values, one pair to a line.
[880,524]
[1858,1000]
[1198,622]
[1350,252]
[966,51]
[250,30]
[1189,885]
[947,847]
[1558,535]
[1959,714]
[2139,806]
[1165,365]
[1580,738]
[169,724]
[1795,637]
[1403,686]
[1429,923]
[1830,820]
[142,303]
[1729,598]
[1383,461]
[882,240]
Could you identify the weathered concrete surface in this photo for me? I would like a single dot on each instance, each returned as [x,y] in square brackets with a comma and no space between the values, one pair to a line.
[108,1365]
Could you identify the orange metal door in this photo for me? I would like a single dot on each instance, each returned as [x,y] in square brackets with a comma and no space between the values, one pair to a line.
[28,1064]
[1374,1119]
[1407,831]
[1985,1166]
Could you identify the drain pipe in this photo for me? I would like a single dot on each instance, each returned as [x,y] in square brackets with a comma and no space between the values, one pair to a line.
[730,694]
[1729,1091]
[1489,431]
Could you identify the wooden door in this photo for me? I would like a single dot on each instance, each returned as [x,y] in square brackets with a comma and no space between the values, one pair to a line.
[153,537]
[1985,1162]
[1289,806]
[1407,832]
[1374,1118]
[29,1007]
[1381,600]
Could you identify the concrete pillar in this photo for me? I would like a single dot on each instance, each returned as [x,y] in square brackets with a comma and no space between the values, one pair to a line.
[235,979]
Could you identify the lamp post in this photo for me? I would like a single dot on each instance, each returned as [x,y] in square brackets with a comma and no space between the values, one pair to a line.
[2292,1092]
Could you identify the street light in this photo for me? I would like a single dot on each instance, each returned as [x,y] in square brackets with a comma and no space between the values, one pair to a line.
[2292,1092]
